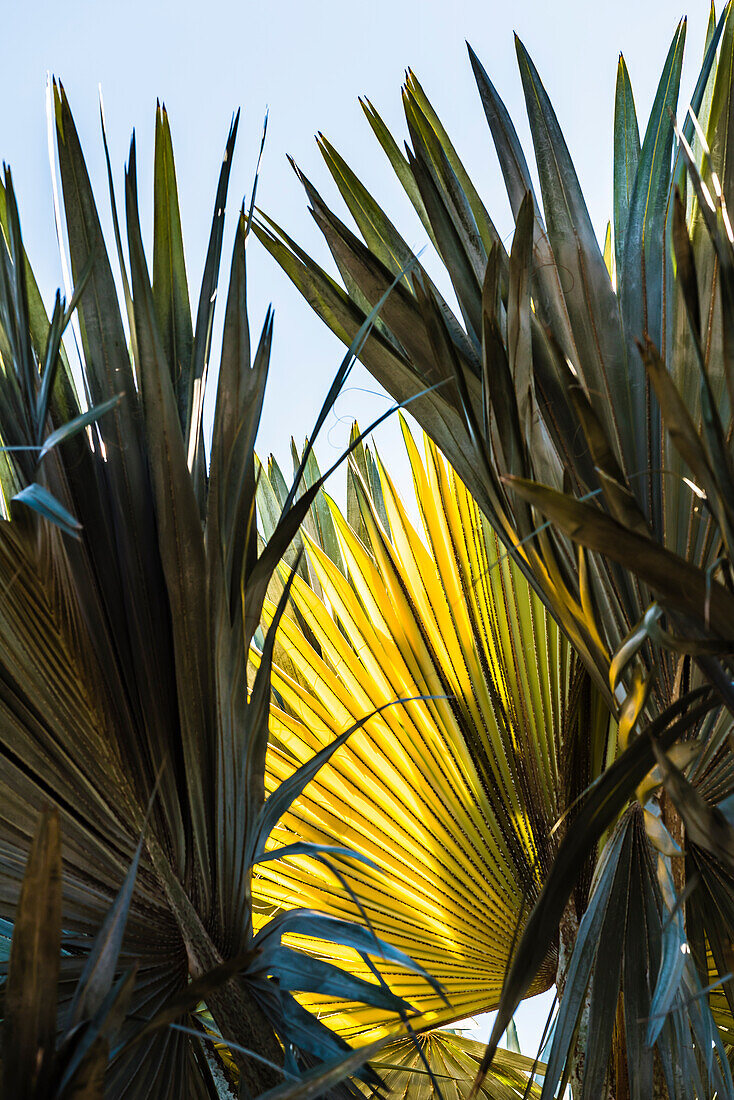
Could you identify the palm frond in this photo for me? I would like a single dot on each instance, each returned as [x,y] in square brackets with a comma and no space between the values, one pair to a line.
[450,802]
[585,400]
[454,1060]
[123,649]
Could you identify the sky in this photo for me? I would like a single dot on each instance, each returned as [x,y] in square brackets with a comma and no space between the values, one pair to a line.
[308,63]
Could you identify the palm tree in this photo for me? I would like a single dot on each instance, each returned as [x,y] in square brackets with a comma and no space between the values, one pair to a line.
[450,803]
[132,588]
[544,403]
[455,808]
[35,1062]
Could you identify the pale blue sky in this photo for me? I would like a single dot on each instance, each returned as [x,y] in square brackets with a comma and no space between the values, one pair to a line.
[309,62]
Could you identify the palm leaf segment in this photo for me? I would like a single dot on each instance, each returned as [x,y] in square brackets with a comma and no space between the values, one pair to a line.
[123,649]
[452,800]
[556,389]
[454,1062]
[606,373]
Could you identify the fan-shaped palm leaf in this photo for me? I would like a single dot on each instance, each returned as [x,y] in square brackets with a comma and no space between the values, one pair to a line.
[454,1062]
[560,389]
[542,380]
[405,808]
[453,800]
[124,638]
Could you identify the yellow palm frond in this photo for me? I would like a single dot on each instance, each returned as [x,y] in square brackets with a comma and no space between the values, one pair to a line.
[454,1062]
[452,798]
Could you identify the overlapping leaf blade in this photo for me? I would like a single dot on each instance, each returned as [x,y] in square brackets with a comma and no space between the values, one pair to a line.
[124,651]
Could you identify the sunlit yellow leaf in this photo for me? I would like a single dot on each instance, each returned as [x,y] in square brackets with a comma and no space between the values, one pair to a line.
[453,798]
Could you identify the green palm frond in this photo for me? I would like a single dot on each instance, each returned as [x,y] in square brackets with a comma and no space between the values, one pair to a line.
[584,397]
[464,849]
[37,1062]
[558,389]
[123,650]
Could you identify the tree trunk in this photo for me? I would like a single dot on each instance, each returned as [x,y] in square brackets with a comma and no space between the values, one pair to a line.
[225,1091]
[236,1012]
[241,1019]
[567,932]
